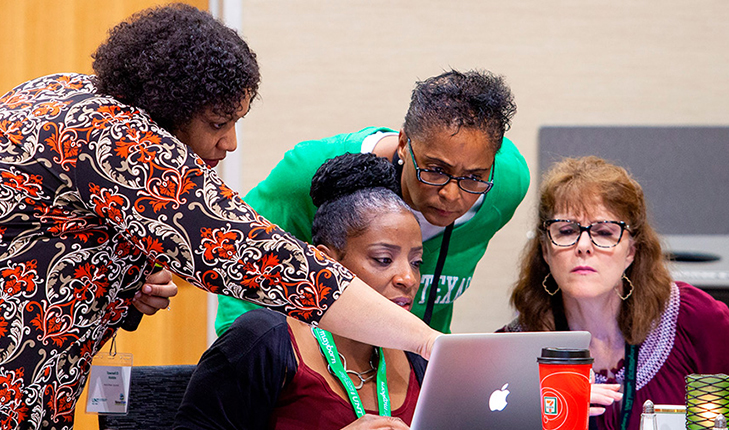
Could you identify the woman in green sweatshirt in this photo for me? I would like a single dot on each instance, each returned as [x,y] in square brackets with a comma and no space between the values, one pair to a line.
[459,173]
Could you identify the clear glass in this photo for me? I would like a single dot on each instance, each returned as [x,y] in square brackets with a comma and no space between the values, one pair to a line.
[604,234]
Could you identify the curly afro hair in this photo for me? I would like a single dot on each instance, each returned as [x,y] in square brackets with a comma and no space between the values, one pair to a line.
[350,190]
[451,100]
[176,62]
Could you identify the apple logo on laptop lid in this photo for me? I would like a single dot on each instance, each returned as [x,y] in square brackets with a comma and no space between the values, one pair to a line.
[497,401]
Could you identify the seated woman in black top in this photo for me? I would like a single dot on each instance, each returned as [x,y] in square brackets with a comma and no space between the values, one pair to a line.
[269,371]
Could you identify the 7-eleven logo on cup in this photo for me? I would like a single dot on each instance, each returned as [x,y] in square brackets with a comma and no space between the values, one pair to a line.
[550,406]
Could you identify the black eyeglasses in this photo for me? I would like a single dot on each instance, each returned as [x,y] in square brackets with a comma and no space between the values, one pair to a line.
[439,178]
[604,234]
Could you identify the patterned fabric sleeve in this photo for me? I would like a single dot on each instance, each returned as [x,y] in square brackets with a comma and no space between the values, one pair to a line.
[157,195]
[92,193]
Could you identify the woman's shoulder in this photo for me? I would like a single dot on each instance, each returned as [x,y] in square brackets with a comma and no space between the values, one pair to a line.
[511,166]
[512,326]
[702,330]
[689,310]
[697,305]
[259,328]
[419,364]
[55,85]
[511,182]
[258,320]
[328,147]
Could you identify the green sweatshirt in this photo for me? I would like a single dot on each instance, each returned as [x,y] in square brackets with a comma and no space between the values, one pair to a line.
[283,198]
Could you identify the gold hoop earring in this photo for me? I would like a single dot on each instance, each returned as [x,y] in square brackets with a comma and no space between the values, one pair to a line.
[629,293]
[544,284]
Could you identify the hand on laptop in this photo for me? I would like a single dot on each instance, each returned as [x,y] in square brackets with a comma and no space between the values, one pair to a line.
[602,395]
[375,422]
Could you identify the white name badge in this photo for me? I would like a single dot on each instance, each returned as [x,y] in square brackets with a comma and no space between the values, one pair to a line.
[109,383]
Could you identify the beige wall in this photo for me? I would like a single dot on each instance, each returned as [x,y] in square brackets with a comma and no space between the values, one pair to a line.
[337,66]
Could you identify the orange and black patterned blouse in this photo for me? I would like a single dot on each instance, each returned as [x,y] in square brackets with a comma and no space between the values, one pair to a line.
[92,194]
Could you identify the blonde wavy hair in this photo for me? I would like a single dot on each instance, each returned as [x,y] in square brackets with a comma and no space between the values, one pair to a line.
[578,185]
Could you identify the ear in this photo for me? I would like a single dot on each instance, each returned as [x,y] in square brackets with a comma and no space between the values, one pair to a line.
[329,252]
[545,252]
[631,254]
[402,143]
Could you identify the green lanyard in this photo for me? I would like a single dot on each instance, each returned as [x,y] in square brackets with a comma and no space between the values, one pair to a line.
[326,343]
[631,366]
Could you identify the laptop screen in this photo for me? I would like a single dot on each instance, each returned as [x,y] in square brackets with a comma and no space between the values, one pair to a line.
[487,380]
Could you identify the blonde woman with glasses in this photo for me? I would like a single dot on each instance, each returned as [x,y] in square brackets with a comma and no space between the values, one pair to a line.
[596,264]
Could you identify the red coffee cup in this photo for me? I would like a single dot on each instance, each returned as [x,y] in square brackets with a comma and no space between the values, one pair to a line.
[564,382]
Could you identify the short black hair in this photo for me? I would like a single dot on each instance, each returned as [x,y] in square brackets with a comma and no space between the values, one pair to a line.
[175,62]
[350,190]
[453,100]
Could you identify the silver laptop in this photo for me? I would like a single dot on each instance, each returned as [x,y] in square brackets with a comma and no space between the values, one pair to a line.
[487,380]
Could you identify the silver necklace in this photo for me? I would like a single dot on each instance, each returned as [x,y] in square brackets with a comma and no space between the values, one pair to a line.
[362,376]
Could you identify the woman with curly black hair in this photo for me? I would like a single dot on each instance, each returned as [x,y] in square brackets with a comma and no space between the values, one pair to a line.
[102,178]
[195,82]
[182,67]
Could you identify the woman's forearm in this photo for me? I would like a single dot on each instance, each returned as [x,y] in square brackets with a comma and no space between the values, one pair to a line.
[364,315]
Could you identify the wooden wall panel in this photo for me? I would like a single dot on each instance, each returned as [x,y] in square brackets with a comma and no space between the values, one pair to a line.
[40,37]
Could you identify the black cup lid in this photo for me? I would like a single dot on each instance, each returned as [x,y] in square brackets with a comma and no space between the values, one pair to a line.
[565,356]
